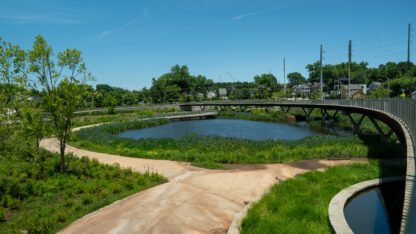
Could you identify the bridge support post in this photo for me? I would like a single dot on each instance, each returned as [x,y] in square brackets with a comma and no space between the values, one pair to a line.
[324,114]
[387,136]
[267,109]
[283,109]
[356,124]
[334,116]
[307,114]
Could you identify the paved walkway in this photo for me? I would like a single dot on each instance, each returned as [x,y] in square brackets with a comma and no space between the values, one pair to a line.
[195,200]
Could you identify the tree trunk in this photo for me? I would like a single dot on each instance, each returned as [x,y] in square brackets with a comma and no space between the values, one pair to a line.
[62,145]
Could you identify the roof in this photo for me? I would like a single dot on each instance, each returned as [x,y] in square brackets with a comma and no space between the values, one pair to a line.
[353,86]
[376,83]
[222,91]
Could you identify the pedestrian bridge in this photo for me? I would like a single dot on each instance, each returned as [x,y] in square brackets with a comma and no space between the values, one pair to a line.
[398,114]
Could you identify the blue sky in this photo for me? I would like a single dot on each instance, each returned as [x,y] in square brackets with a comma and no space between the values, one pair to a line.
[127,43]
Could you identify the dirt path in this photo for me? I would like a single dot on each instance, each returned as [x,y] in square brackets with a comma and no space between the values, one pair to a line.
[195,200]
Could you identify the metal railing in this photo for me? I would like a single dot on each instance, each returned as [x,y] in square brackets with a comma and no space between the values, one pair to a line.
[129,108]
[179,114]
[403,110]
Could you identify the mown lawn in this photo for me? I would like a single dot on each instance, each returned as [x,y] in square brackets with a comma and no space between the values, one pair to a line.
[35,197]
[300,205]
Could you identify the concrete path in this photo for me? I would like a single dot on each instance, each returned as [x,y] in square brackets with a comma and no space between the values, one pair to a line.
[195,200]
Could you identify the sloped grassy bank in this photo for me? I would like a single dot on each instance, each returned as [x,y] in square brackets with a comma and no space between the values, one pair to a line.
[300,205]
[35,197]
[212,151]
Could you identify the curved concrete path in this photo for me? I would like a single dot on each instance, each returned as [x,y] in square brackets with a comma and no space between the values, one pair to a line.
[195,200]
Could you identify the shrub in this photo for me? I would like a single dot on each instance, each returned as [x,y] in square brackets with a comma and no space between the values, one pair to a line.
[2,214]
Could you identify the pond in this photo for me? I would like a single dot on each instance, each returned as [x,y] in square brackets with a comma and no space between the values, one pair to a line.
[376,210]
[233,128]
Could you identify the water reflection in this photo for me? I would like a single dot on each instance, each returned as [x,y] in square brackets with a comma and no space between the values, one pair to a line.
[376,210]
[234,128]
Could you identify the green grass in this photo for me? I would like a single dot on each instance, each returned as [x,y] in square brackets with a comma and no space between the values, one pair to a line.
[300,205]
[211,151]
[35,197]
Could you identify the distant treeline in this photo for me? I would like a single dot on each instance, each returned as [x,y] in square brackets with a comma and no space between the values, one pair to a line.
[180,85]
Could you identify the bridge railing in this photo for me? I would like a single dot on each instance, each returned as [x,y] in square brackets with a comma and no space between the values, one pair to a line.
[178,114]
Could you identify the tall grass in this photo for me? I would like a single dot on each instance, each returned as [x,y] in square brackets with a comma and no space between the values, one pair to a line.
[300,205]
[35,197]
[204,150]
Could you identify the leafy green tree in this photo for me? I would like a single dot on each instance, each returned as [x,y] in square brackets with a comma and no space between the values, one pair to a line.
[179,85]
[12,83]
[34,125]
[110,102]
[399,84]
[380,92]
[61,79]
[266,80]
[296,78]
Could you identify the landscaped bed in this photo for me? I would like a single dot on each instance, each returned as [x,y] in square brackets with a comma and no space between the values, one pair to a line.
[300,205]
[35,197]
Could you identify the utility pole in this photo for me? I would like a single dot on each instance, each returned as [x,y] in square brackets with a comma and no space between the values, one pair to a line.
[320,73]
[284,75]
[409,29]
[349,67]
[408,43]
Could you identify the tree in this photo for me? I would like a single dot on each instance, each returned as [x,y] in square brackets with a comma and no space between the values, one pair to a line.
[61,79]
[179,85]
[33,124]
[110,102]
[266,80]
[12,83]
[296,78]
[380,92]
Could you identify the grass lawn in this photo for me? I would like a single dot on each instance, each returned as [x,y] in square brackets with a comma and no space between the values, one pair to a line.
[35,197]
[300,205]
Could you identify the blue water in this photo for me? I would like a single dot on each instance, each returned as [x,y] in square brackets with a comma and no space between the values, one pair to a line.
[366,213]
[235,128]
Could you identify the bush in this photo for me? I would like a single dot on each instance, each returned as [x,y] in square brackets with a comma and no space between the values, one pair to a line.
[44,200]
[2,214]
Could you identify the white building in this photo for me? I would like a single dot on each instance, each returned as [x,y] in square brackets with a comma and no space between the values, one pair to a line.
[303,89]
[211,95]
[223,93]
[353,91]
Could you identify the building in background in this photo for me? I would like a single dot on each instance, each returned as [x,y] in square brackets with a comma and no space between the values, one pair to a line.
[354,91]
[339,83]
[373,86]
[211,95]
[303,89]
[222,92]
